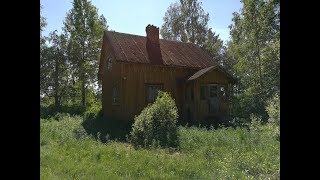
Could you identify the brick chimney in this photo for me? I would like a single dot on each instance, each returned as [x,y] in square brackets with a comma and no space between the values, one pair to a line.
[153,45]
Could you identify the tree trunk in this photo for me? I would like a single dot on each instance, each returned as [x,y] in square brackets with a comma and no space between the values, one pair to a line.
[259,58]
[83,88]
[56,84]
[260,67]
[258,53]
[83,94]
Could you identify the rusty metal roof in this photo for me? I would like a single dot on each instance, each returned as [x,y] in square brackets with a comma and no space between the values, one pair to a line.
[132,49]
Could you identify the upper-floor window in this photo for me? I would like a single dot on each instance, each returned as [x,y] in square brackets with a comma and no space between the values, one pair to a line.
[109,62]
[152,91]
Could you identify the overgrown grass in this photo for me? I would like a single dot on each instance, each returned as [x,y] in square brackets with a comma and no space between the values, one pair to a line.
[68,152]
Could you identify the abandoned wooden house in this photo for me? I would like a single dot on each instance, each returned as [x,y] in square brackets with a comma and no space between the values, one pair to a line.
[133,68]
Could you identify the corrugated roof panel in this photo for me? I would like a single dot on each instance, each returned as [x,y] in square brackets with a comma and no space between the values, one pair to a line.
[132,49]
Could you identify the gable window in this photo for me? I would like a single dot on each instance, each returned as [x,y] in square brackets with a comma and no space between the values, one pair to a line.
[109,62]
[115,95]
[152,91]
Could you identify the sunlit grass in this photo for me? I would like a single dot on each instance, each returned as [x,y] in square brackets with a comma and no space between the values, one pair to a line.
[66,151]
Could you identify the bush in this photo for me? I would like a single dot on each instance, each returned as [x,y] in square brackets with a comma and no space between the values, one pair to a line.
[249,102]
[93,111]
[60,116]
[107,129]
[157,124]
[48,111]
[273,109]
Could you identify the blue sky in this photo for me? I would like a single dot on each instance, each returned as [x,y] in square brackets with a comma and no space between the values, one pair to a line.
[132,16]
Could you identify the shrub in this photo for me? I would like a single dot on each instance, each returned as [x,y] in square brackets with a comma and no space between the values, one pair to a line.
[255,124]
[157,124]
[248,102]
[48,111]
[60,116]
[93,111]
[273,109]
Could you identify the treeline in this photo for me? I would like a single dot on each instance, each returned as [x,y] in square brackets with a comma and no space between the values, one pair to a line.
[69,61]
[252,54]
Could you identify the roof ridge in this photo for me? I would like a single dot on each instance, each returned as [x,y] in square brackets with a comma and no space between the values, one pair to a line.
[146,37]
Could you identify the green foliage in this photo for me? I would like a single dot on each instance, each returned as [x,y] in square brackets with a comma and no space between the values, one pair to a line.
[186,21]
[273,109]
[106,130]
[246,103]
[93,111]
[67,152]
[60,116]
[157,124]
[48,111]
[254,53]
[72,106]
[60,131]
[84,29]
[54,68]
[255,123]
[43,22]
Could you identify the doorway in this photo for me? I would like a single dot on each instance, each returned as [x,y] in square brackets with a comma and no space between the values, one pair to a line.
[213,98]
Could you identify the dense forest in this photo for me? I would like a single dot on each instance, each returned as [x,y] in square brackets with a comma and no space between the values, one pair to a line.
[69,60]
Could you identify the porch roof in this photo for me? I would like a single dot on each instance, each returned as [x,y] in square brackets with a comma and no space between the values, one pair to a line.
[209,69]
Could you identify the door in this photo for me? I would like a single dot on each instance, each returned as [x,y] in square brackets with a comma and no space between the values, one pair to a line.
[213,98]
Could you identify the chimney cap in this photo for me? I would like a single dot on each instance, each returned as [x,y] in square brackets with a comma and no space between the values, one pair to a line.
[151,25]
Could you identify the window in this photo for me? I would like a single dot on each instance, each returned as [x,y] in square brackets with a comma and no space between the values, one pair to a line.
[152,92]
[109,62]
[213,91]
[208,91]
[115,95]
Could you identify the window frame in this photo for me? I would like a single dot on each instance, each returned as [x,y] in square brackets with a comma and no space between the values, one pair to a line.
[115,95]
[216,90]
[147,85]
[109,63]
[206,92]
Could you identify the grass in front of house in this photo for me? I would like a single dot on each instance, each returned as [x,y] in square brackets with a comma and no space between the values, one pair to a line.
[67,151]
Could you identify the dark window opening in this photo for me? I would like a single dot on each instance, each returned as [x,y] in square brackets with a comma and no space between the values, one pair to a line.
[115,95]
[152,92]
[109,63]
[213,91]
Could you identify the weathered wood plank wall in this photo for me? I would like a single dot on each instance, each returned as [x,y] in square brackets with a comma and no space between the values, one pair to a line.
[132,79]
